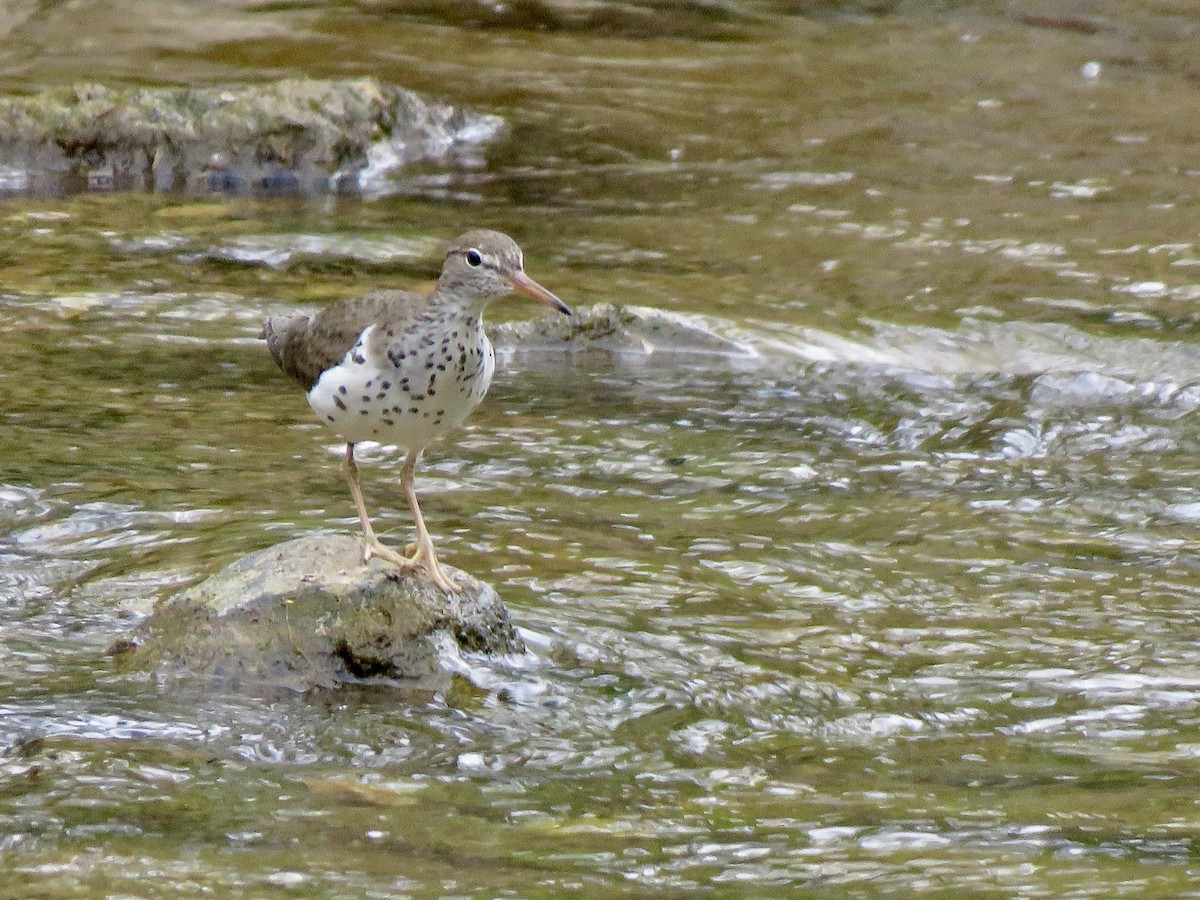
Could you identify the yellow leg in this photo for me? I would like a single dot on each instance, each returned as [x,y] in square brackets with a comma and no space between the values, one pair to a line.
[372,545]
[424,552]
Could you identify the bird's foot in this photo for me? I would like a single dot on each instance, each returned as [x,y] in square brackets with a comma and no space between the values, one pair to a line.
[439,577]
[372,548]
[425,553]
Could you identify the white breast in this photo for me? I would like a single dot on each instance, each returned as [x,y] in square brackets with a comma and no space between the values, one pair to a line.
[411,403]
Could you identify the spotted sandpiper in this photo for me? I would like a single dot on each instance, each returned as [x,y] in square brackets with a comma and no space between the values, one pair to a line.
[398,367]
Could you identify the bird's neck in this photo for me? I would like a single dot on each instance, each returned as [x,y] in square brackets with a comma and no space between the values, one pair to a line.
[446,304]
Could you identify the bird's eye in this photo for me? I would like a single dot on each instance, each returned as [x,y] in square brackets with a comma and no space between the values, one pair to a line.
[474,259]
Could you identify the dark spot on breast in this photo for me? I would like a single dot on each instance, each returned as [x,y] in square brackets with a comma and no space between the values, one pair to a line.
[440,413]
[370,381]
[330,418]
[389,421]
[441,367]
[342,390]
[429,365]
[366,398]
[391,332]
[432,392]
[364,411]
[418,397]
[338,401]
[404,388]
[386,385]
[381,395]
[413,409]
[462,359]
[358,358]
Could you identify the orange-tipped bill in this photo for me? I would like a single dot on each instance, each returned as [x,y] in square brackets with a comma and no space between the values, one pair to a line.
[523,284]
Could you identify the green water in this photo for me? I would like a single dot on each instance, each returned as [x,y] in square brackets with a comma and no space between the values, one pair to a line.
[904,606]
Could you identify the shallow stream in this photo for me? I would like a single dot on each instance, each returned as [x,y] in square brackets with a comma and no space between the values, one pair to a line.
[905,604]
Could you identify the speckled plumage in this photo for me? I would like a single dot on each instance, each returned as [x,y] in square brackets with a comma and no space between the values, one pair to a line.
[398,367]
[410,376]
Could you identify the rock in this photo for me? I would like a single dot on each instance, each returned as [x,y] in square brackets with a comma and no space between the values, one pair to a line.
[291,136]
[607,327]
[308,613]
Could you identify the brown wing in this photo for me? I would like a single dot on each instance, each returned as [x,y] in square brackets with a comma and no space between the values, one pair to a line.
[304,347]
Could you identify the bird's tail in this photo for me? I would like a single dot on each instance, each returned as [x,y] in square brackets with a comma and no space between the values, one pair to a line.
[275,331]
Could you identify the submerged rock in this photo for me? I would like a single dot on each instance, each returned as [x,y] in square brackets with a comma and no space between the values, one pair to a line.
[608,327]
[308,613]
[291,136]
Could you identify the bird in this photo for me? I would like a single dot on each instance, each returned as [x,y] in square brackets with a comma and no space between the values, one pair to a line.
[395,366]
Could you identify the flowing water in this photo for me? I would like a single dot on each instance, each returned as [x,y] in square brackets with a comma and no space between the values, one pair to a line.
[905,604]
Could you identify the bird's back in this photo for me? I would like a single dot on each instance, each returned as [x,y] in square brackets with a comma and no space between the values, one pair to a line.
[305,346]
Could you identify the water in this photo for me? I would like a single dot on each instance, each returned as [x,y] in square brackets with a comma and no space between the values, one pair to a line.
[902,605]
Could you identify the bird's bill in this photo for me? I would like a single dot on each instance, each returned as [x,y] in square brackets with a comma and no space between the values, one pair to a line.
[523,284]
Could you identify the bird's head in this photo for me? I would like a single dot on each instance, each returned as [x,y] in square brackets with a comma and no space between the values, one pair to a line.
[484,265]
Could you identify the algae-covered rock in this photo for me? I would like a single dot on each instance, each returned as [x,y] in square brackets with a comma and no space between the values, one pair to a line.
[309,613]
[640,330]
[289,136]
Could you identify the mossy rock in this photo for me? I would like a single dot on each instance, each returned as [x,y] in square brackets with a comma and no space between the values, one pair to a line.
[291,136]
[621,330]
[310,614]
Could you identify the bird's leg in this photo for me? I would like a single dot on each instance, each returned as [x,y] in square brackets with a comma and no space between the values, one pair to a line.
[425,552]
[372,545]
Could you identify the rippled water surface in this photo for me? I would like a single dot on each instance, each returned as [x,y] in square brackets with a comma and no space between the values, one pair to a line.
[903,604]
